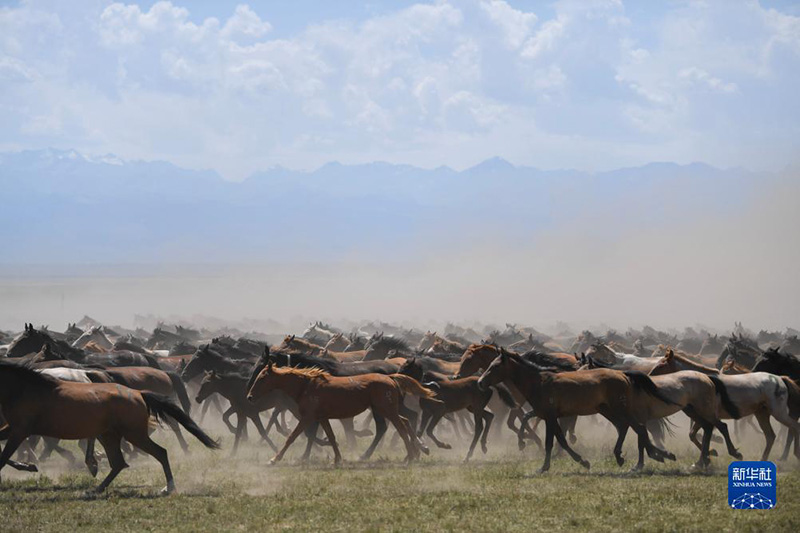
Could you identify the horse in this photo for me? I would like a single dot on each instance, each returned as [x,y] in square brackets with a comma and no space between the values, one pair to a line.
[478,357]
[36,404]
[32,340]
[756,393]
[338,343]
[780,363]
[441,345]
[321,397]
[743,350]
[620,361]
[455,395]
[609,393]
[95,335]
[233,387]
[318,330]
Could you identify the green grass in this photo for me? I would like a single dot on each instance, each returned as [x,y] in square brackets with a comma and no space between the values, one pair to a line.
[498,493]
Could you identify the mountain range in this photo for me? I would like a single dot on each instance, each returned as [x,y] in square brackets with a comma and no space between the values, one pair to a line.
[60,206]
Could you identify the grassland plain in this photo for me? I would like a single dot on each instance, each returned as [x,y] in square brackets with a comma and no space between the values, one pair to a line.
[497,492]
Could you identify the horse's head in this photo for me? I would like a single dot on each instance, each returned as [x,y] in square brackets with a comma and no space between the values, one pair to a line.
[262,381]
[498,371]
[30,340]
[476,358]
[197,364]
[412,368]
[666,365]
[208,386]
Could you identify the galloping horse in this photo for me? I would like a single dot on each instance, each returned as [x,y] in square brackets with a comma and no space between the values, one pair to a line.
[35,404]
[322,397]
[757,393]
[610,393]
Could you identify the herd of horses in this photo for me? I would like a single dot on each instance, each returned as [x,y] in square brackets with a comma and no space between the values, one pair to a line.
[95,383]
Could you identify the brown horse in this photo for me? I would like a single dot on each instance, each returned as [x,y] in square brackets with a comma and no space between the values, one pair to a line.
[610,393]
[321,397]
[478,357]
[35,404]
[455,395]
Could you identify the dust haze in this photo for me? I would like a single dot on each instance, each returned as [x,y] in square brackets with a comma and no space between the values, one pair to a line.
[595,268]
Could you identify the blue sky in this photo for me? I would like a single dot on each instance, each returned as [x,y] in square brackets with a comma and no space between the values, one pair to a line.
[238,87]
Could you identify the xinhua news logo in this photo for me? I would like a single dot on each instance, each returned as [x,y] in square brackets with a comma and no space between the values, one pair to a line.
[752,485]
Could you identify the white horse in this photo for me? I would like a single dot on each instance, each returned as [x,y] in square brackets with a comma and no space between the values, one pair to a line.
[95,335]
[620,361]
[757,393]
[76,375]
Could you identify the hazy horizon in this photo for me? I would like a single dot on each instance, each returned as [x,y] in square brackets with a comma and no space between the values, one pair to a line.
[461,100]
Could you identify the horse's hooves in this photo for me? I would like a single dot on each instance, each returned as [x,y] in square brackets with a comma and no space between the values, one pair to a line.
[573,439]
[92,470]
[670,456]
[544,469]
[166,491]
[585,464]
[738,456]
[445,446]
[273,461]
[636,469]
[425,449]
[620,460]
[713,453]
[521,445]
[484,449]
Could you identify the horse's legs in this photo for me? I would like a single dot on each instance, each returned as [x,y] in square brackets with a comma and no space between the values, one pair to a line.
[116,460]
[562,440]
[435,418]
[548,443]
[569,427]
[763,420]
[349,431]
[311,437]
[723,429]
[263,432]
[89,459]
[301,425]
[241,422]
[147,445]
[326,427]
[708,430]
[513,415]
[478,431]
[622,432]
[531,431]
[424,420]
[13,442]
[226,419]
[380,429]
[488,416]
[790,436]
[409,414]
[175,427]
[402,426]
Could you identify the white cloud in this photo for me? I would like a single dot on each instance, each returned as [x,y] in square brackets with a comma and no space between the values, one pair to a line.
[516,25]
[435,83]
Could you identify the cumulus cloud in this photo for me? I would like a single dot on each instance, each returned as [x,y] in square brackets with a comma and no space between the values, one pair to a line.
[586,84]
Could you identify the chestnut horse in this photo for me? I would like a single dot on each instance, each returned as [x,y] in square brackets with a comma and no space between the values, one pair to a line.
[322,397]
[36,404]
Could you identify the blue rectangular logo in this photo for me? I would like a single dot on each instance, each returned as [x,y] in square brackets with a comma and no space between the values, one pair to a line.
[752,485]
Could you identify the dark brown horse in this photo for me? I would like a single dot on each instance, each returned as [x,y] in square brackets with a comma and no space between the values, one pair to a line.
[609,393]
[34,404]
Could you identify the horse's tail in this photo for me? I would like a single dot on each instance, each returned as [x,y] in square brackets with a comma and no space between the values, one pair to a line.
[505,395]
[666,425]
[794,396]
[162,407]
[643,382]
[180,391]
[724,397]
[412,386]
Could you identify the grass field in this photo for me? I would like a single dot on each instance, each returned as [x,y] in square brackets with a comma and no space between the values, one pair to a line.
[498,492]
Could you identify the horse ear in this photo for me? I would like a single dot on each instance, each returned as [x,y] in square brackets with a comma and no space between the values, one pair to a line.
[291,338]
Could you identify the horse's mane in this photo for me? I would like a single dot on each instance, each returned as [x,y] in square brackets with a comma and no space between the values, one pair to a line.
[311,373]
[691,362]
[233,374]
[547,360]
[26,373]
[392,343]
[308,361]
[530,364]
